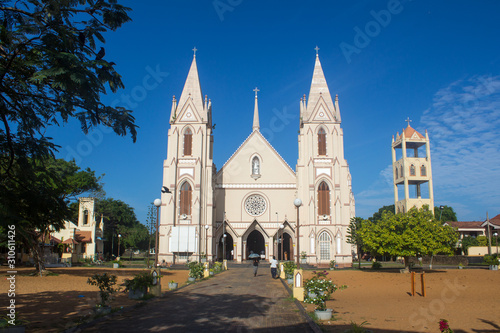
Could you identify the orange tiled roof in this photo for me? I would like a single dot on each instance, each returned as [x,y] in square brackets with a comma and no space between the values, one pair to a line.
[83,236]
[465,224]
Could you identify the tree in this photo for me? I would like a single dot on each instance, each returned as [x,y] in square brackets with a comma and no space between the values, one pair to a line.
[120,218]
[354,236]
[446,214]
[414,233]
[50,72]
[378,215]
[39,203]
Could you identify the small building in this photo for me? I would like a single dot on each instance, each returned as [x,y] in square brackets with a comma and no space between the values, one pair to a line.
[83,239]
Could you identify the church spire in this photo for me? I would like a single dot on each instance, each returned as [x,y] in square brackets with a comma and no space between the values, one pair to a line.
[319,88]
[256,125]
[192,88]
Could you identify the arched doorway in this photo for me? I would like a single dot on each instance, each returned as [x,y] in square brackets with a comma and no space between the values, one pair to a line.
[255,243]
[225,248]
[284,247]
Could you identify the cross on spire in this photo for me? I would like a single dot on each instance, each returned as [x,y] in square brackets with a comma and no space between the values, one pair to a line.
[408,121]
[317,49]
[194,50]
[256,90]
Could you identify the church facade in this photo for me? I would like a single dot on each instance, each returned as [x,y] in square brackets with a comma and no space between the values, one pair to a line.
[256,203]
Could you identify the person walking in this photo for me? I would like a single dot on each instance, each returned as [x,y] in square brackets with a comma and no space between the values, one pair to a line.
[255,266]
[274,267]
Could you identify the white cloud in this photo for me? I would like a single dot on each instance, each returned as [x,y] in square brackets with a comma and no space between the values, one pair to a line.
[464,130]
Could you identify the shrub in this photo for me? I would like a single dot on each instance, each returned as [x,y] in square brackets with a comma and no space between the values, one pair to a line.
[141,281]
[217,267]
[105,284]
[289,267]
[376,265]
[195,269]
[491,259]
[321,287]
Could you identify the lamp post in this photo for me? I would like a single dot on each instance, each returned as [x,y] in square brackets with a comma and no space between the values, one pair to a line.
[224,247]
[282,226]
[496,240]
[297,202]
[441,214]
[157,203]
[119,237]
[206,241]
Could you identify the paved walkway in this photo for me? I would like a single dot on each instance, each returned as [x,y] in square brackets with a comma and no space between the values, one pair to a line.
[233,301]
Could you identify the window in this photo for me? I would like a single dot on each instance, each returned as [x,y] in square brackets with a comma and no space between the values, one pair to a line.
[323,199]
[423,171]
[188,142]
[412,170]
[397,173]
[321,142]
[324,246]
[185,204]
[85,217]
[401,171]
[255,166]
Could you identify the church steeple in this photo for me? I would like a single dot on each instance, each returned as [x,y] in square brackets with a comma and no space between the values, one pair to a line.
[319,89]
[256,125]
[192,89]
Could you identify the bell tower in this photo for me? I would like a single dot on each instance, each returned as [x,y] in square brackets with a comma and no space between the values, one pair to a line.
[186,212]
[411,165]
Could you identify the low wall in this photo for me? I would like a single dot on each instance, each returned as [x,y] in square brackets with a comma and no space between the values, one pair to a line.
[481,250]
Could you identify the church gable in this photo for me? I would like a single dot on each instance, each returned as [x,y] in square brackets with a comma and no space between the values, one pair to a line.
[256,161]
[189,114]
[321,112]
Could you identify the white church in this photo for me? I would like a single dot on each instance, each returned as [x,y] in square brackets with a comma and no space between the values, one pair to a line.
[256,202]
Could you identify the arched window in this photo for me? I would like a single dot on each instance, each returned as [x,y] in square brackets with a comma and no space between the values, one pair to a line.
[188,142]
[85,217]
[412,170]
[321,142]
[185,199]
[323,199]
[423,171]
[255,166]
[324,246]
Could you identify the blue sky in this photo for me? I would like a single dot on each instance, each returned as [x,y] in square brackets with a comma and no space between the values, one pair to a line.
[436,62]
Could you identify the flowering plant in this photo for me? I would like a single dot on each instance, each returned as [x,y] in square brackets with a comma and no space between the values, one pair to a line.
[444,327]
[332,263]
[318,289]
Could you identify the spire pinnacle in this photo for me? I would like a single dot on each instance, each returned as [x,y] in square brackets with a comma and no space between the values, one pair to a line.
[319,88]
[256,125]
[192,88]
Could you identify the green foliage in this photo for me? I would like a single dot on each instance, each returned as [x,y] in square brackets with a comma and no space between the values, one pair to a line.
[482,240]
[321,287]
[120,218]
[378,215]
[355,328]
[491,259]
[376,265]
[414,233]
[467,242]
[37,195]
[195,269]
[354,236]
[105,283]
[446,214]
[303,255]
[141,281]
[289,267]
[50,72]
[217,267]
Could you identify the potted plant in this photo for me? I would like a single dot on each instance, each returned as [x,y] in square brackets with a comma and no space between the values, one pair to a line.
[172,285]
[332,265]
[217,267]
[138,286]
[318,290]
[203,257]
[303,257]
[195,271]
[460,266]
[211,272]
[289,267]
[117,263]
[492,261]
[105,283]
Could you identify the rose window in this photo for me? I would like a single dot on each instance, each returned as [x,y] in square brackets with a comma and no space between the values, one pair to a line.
[255,205]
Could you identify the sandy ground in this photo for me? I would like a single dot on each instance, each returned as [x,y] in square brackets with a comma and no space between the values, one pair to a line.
[54,303]
[469,299]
